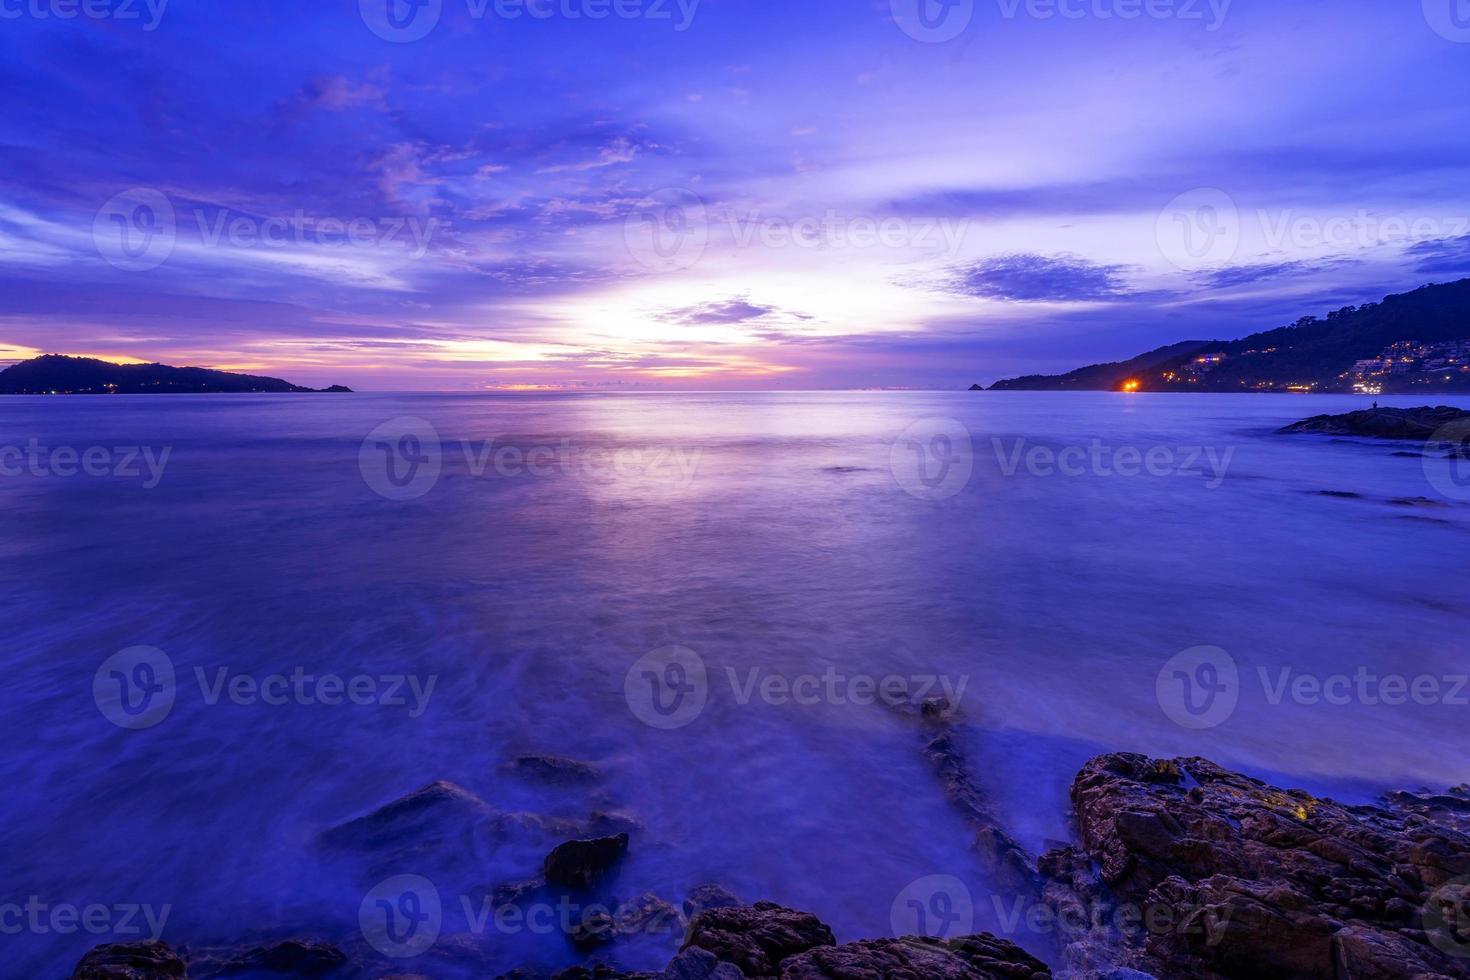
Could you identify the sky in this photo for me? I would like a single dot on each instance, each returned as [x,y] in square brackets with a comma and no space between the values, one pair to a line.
[667,194]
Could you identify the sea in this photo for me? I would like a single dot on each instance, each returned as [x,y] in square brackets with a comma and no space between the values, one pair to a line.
[710,620]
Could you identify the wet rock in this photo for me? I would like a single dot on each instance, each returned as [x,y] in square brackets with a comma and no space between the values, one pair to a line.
[596,928]
[709,896]
[1254,880]
[700,964]
[981,957]
[130,961]
[1000,856]
[1416,502]
[756,938]
[1384,423]
[578,863]
[648,915]
[290,957]
[555,769]
[440,820]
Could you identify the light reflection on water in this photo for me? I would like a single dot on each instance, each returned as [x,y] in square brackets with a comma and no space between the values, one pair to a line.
[788,548]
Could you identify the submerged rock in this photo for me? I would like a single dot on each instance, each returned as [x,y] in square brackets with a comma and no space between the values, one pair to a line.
[709,896]
[756,938]
[1385,423]
[1259,881]
[289,957]
[555,769]
[437,815]
[578,863]
[981,957]
[130,961]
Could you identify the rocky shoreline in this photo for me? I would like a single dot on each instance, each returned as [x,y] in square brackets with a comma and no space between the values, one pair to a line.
[1180,868]
[1443,423]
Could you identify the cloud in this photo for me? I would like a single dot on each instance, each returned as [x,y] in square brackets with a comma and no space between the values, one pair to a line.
[729,311]
[620,150]
[1441,255]
[1245,275]
[1028,278]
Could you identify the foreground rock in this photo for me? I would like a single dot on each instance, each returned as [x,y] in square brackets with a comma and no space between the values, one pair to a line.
[1418,424]
[1259,881]
[917,958]
[130,961]
[578,863]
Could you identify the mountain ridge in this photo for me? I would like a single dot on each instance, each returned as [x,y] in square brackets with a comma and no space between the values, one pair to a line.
[1312,354]
[63,374]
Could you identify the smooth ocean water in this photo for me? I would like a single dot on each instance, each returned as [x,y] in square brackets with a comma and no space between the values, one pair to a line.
[790,548]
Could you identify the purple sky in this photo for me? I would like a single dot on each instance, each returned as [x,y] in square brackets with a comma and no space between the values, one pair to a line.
[715,193]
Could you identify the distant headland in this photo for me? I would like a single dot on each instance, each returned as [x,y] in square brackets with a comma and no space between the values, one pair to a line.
[58,374]
[1417,342]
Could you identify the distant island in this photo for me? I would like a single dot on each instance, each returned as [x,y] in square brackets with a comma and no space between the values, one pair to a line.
[58,374]
[1414,342]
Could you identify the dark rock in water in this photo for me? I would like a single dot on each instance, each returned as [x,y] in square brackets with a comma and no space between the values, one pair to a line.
[1341,494]
[757,938]
[999,854]
[1416,502]
[648,915]
[290,957]
[977,388]
[709,896]
[1269,882]
[968,958]
[1385,423]
[578,863]
[699,964]
[438,825]
[596,928]
[130,961]
[554,769]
